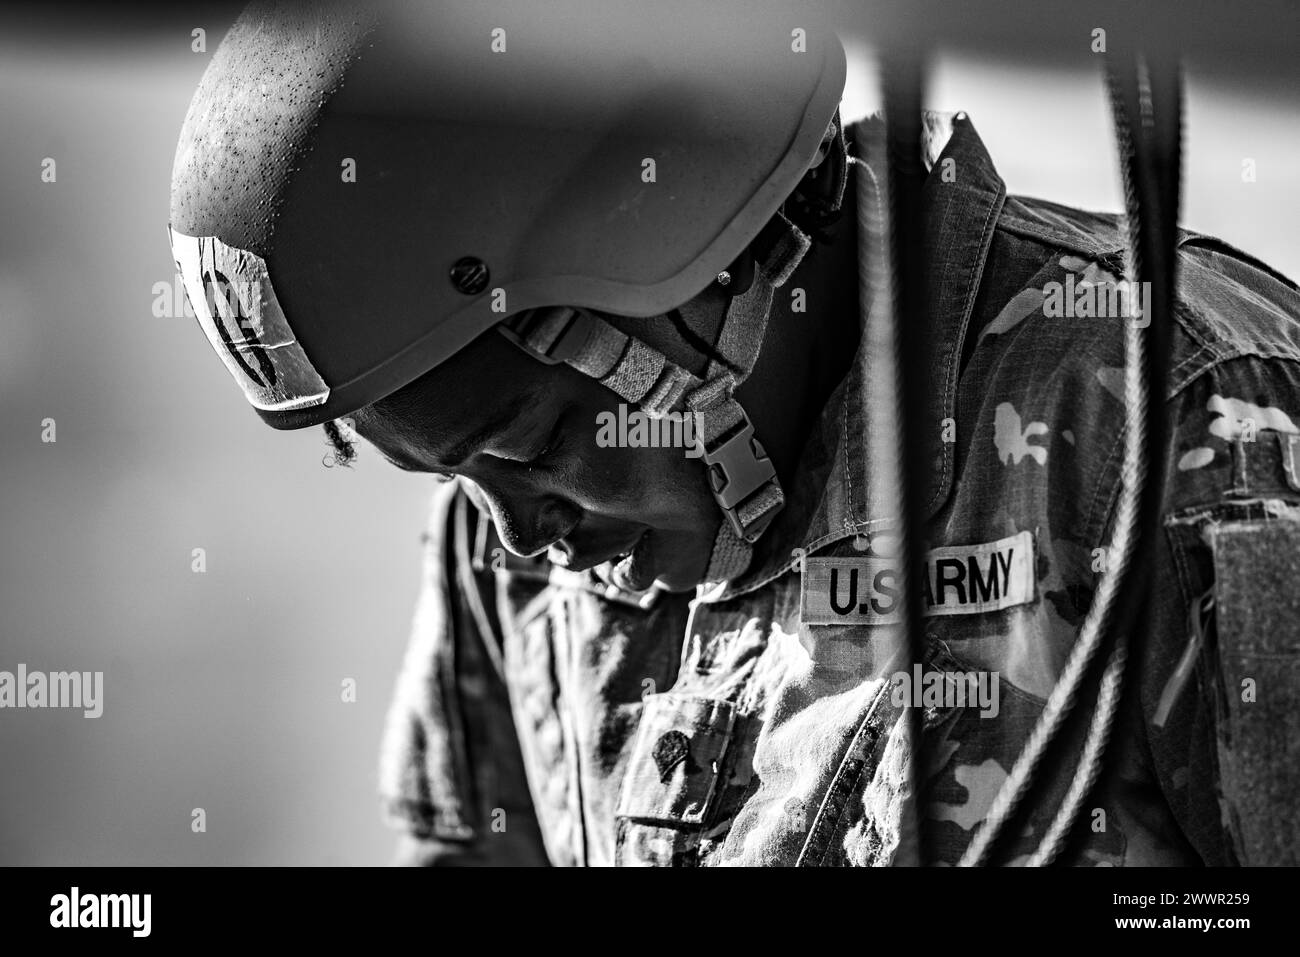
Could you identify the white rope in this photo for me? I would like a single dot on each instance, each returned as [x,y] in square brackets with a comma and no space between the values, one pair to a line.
[1095,625]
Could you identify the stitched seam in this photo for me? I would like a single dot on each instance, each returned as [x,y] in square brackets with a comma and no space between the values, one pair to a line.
[986,238]
[844,436]
[849,465]
[823,825]
[1019,227]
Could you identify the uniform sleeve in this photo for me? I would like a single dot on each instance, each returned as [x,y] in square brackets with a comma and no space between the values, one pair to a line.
[451,775]
[1221,665]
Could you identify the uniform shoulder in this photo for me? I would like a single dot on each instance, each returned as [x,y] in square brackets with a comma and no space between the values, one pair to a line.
[1233,305]
[1083,232]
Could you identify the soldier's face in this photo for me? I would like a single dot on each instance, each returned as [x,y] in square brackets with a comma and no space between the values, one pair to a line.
[529,438]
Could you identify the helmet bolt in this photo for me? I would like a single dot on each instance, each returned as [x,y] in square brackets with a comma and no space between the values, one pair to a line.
[469,275]
[724,278]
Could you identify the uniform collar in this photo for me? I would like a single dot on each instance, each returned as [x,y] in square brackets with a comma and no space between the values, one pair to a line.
[832,495]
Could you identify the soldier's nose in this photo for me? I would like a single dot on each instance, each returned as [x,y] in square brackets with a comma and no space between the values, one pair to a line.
[530,530]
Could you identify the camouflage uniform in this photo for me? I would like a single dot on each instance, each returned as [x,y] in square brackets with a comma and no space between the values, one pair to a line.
[541,718]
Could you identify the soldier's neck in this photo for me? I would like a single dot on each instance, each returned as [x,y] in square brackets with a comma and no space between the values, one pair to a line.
[806,353]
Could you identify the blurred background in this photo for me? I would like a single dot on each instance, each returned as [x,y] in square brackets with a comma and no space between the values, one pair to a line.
[223,689]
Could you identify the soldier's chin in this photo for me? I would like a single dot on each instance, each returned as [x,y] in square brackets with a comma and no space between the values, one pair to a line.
[683,572]
[673,585]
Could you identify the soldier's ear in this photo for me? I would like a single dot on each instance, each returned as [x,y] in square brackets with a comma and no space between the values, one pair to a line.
[815,202]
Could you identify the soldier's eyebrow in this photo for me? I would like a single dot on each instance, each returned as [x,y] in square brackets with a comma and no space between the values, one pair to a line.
[437,476]
[404,466]
[409,467]
[456,455]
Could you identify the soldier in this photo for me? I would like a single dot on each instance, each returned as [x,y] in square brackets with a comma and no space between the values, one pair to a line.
[481,234]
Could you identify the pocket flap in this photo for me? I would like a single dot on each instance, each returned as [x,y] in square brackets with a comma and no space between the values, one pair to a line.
[673,769]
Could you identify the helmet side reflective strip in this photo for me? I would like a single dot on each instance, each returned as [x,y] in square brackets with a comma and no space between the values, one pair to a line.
[231,294]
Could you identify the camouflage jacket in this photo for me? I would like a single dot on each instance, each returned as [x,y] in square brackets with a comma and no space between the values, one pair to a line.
[540,718]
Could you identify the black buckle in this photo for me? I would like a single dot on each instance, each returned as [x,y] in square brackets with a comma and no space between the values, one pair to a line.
[739,467]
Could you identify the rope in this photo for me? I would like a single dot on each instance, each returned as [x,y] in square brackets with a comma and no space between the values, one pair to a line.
[1151,206]
[913,341]
[1112,688]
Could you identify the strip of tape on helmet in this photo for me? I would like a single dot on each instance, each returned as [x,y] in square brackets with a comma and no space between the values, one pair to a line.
[231,294]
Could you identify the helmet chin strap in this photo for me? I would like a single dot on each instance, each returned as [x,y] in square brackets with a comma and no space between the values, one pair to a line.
[740,474]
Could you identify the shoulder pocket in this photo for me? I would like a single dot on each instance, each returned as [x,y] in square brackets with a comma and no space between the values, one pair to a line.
[673,770]
[1238,564]
[672,778]
[1257,632]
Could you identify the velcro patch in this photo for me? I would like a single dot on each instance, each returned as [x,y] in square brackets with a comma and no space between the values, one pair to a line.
[959,580]
[230,292]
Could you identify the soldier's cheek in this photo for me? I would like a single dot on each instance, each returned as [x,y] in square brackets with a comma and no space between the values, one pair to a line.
[655,487]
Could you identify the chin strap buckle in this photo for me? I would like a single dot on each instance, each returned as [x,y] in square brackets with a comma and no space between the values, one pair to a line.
[743,479]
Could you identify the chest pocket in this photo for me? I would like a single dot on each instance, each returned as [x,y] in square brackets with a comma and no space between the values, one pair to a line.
[672,779]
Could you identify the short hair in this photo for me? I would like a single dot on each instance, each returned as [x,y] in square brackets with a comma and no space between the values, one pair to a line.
[339,433]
